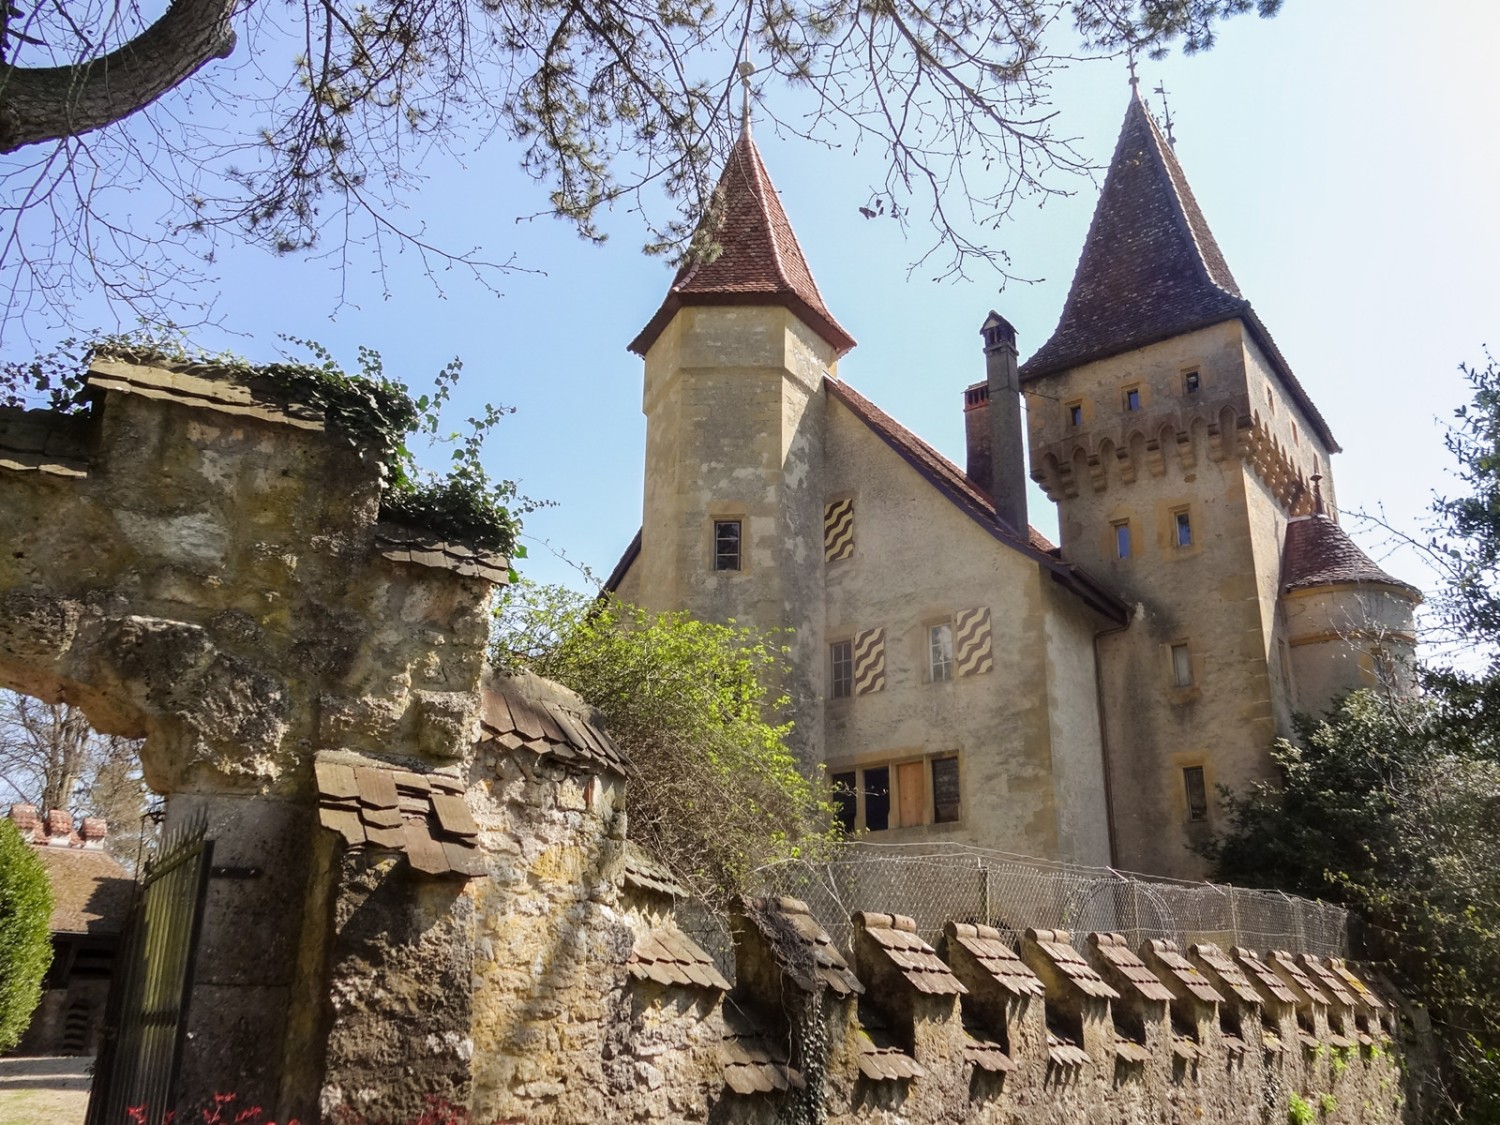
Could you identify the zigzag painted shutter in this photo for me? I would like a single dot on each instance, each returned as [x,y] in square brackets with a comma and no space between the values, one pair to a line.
[838,530]
[869,662]
[972,647]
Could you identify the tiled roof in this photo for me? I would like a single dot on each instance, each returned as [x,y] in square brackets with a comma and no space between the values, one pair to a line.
[1057,946]
[758,260]
[987,946]
[668,956]
[1326,979]
[1318,553]
[752,1063]
[1185,1048]
[1286,967]
[1182,971]
[1127,966]
[780,919]
[881,1060]
[404,544]
[91,892]
[1262,974]
[1131,1051]
[951,481]
[1366,994]
[519,717]
[378,805]
[984,1051]
[1064,1052]
[1151,269]
[918,962]
[1230,974]
[644,872]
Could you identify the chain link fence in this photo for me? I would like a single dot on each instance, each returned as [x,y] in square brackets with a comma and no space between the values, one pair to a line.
[938,883]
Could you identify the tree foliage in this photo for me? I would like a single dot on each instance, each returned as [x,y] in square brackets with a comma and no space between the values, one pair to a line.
[25,939]
[713,790]
[324,134]
[1389,805]
[51,758]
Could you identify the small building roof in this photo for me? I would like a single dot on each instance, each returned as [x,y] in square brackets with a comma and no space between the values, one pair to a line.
[758,260]
[1151,269]
[1317,552]
[91,891]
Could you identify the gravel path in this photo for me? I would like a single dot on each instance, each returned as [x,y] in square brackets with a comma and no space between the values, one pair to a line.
[44,1091]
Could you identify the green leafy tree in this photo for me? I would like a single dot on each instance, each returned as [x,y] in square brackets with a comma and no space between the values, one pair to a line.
[324,131]
[713,790]
[1390,805]
[25,940]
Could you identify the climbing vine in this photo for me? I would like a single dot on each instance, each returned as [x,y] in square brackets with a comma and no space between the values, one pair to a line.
[374,413]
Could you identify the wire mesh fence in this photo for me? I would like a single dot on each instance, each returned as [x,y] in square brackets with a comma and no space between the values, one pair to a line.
[938,883]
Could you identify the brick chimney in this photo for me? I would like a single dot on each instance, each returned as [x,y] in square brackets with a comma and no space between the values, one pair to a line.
[59,828]
[978,466]
[93,829]
[1007,442]
[24,817]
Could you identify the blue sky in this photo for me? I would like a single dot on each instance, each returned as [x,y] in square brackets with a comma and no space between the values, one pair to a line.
[1345,153]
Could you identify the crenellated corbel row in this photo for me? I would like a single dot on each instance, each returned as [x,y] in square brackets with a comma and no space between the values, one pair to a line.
[976,1014]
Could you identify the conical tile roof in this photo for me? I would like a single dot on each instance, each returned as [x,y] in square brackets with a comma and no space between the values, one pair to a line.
[759,260]
[1151,269]
[1317,552]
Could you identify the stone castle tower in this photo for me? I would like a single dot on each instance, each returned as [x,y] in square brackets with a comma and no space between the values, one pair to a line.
[1082,701]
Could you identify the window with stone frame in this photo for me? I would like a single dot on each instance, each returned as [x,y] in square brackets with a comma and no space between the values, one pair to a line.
[1197,793]
[940,651]
[1182,528]
[841,669]
[727,545]
[900,793]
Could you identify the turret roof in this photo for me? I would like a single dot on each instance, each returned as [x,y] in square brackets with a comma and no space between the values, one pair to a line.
[1151,269]
[1319,553]
[758,262]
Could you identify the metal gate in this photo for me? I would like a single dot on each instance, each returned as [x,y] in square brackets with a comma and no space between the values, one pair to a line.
[146,1018]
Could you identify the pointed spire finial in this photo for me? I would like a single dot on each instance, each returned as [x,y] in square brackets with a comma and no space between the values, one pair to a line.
[746,69]
[1130,63]
[1318,495]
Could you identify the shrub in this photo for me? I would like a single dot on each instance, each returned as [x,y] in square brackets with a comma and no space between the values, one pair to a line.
[25,935]
[1299,1111]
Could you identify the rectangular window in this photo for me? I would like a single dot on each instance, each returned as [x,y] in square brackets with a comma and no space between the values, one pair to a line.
[1075,413]
[841,669]
[940,651]
[1191,383]
[1122,539]
[1197,793]
[911,790]
[845,803]
[1182,666]
[944,790]
[726,544]
[877,788]
[1182,528]
[1133,398]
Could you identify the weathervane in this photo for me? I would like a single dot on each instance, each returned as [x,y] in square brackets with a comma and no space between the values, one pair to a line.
[746,69]
[1166,114]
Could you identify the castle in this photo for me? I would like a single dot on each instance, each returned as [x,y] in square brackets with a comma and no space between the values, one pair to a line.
[961,677]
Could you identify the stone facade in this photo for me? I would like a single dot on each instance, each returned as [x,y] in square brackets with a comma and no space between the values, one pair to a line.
[959,676]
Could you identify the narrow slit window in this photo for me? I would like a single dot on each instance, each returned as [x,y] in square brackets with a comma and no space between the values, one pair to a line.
[845,803]
[726,544]
[1133,398]
[841,669]
[1182,666]
[1182,526]
[877,790]
[1197,793]
[940,651]
[945,802]
[1122,539]
[1191,382]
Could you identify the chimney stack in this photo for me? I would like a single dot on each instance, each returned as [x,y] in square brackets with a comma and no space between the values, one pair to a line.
[1007,450]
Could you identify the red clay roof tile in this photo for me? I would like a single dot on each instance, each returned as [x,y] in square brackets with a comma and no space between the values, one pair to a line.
[759,261]
[1318,553]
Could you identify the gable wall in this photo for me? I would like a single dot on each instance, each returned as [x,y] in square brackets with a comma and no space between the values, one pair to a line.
[1026,732]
